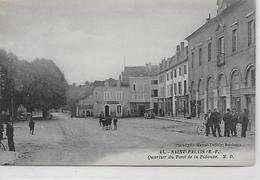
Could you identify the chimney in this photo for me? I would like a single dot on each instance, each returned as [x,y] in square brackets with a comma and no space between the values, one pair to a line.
[186,50]
[178,49]
[209,18]
[182,46]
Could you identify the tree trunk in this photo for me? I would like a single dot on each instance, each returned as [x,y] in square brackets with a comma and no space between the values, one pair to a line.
[45,113]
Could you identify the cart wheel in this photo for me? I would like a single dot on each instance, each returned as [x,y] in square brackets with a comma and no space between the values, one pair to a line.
[201,130]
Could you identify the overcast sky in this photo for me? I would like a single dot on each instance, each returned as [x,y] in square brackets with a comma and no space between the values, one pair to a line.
[88,39]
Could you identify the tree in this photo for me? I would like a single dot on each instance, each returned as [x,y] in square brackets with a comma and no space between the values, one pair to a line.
[39,84]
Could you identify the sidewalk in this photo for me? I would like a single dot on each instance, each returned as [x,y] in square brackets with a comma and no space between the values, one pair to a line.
[181,119]
[7,156]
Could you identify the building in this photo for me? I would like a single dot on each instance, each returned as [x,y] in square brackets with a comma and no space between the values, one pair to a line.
[85,106]
[163,67]
[143,87]
[222,60]
[111,98]
[180,81]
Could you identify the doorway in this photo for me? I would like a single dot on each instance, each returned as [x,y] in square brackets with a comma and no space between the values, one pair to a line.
[106,110]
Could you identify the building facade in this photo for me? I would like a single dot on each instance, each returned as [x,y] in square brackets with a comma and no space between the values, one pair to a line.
[140,95]
[180,81]
[85,107]
[222,60]
[111,99]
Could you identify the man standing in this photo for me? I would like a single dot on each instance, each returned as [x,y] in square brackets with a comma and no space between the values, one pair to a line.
[10,136]
[31,126]
[208,124]
[234,121]
[244,121]
[101,118]
[115,123]
[216,120]
[227,123]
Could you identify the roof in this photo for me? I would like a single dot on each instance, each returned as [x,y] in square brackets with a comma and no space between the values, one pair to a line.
[140,71]
[215,19]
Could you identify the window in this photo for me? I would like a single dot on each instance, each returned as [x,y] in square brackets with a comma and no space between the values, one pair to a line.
[179,71]
[161,79]
[209,51]
[180,88]
[171,90]
[106,96]
[175,88]
[251,32]
[119,96]
[234,40]
[192,59]
[155,93]
[200,56]
[253,77]
[167,76]
[154,82]
[134,87]
[171,75]
[221,47]
[185,69]
[119,109]
[185,86]
[175,73]
[145,87]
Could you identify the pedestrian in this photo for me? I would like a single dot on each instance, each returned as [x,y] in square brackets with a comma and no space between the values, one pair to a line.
[234,121]
[1,132]
[209,123]
[115,123]
[109,122]
[227,123]
[100,119]
[10,136]
[31,126]
[216,121]
[244,121]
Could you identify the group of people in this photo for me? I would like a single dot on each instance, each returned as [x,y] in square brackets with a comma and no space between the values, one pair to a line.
[231,119]
[106,122]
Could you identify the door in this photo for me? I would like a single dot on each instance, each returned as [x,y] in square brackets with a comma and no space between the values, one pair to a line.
[141,110]
[106,110]
[118,110]
[250,100]
[155,108]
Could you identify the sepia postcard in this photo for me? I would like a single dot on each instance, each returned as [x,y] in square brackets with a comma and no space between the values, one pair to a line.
[127,82]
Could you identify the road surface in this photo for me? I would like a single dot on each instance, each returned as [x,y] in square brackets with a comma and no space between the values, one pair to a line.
[80,141]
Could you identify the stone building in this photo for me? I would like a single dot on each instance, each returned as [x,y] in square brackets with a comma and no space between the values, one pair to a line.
[180,81]
[85,106]
[143,87]
[111,98]
[222,60]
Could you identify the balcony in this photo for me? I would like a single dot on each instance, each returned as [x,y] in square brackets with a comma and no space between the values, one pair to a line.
[221,59]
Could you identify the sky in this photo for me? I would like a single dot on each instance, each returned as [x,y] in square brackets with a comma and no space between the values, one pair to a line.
[94,39]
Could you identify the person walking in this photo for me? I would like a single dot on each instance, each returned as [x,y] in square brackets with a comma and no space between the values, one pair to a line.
[244,121]
[227,123]
[234,121]
[10,136]
[216,121]
[31,126]
[100,119]
[115,123]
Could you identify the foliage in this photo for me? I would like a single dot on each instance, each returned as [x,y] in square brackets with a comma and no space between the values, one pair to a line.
[39,84]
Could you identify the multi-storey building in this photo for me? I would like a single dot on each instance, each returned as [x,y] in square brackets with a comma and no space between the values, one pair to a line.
[111,98]
[180,81]
[222,60]
[162,87]
[143,89]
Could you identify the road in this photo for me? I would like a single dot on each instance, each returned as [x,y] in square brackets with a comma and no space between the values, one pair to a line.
[78,141]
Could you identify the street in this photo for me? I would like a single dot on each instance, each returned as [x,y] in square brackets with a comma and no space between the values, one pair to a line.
[80,141]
